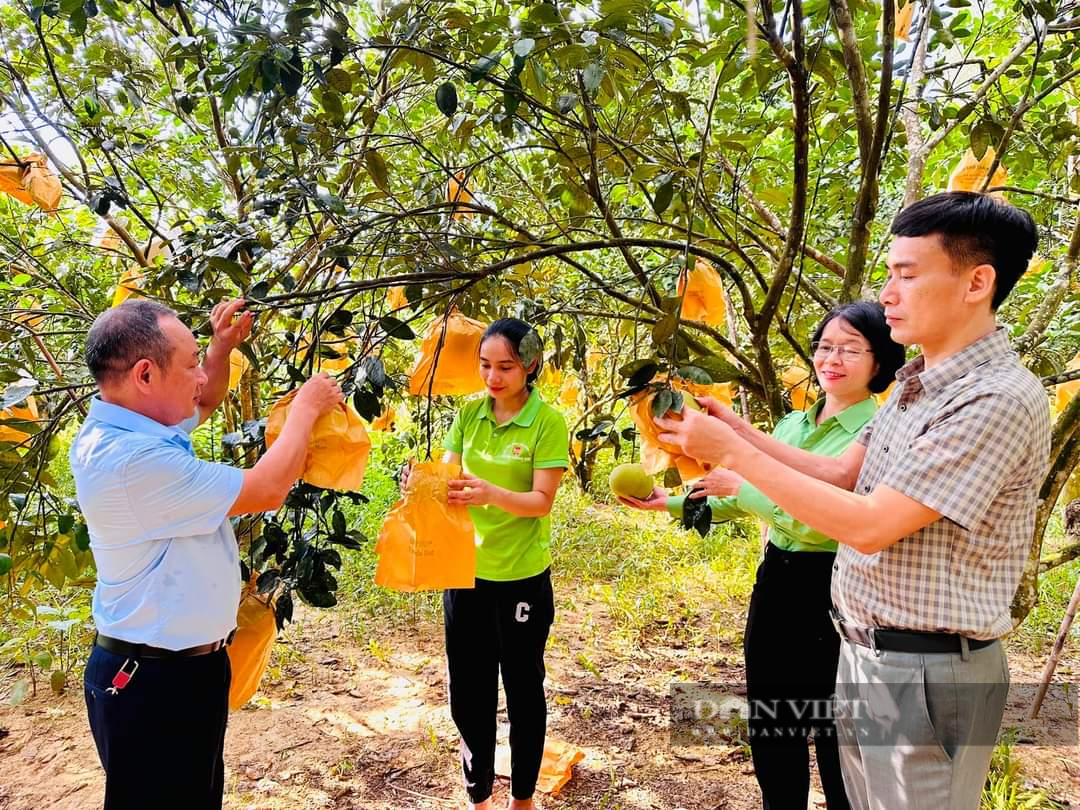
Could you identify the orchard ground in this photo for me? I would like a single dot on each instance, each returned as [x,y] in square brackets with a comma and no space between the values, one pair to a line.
[352,712]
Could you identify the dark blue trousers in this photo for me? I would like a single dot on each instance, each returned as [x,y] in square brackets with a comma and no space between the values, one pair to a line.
[160,738]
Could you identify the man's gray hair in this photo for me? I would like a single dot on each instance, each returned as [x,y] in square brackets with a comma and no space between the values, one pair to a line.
[122,336]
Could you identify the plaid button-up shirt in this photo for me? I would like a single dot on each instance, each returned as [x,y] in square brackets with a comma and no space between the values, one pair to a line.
[969,438]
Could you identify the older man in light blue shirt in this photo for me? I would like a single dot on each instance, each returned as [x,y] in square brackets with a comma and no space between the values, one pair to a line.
[157,681]
[156,514]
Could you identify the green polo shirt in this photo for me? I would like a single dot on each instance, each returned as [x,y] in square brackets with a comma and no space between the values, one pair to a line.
[798,428]
[509,547]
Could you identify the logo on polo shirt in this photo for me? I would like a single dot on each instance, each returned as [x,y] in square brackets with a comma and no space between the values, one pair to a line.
[519,451]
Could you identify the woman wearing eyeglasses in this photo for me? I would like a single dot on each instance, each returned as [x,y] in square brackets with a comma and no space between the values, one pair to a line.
[790,646]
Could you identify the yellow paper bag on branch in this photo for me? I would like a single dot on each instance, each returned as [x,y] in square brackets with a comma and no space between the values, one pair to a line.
[798,381]
[129,286]
[32,183]
[656,455]
[570,392]
[703,294]
[385,420]
[456,368]
[457,191]
[323,362]
[27,412]
[970,173]
[395,298]
[238,366]
[249,652]
[339,447]
[28,319]
[1064,393]
[901,21]
[426,543]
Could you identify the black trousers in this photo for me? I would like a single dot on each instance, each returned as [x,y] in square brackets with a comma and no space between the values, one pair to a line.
[161,737]
[499,627]
[791,652]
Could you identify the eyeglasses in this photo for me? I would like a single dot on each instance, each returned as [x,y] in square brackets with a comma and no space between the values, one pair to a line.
[845,354]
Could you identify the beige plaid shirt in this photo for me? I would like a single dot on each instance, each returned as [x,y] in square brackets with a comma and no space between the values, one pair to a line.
[970,439]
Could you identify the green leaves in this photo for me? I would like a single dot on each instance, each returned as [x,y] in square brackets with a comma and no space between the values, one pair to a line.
[339,80]
[697,515]
[17,392]
[376,167]
[482,67]
[592,76]
[566,102]
[530,349]
[665,190]
[292,74]
[396,328]
[639,372]
[446,99]
[664,328]
[719,369]
[985,133]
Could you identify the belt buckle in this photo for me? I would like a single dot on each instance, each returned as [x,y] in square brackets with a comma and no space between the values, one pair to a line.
[871,634]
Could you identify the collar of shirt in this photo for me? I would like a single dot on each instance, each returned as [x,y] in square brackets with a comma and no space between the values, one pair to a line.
[125,419]
[524,417]
[986,348]
[852,419]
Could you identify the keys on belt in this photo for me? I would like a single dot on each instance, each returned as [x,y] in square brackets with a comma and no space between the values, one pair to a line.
[911,641]
[134,652]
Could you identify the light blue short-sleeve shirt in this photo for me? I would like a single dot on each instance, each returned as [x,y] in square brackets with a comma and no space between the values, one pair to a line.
[168,567]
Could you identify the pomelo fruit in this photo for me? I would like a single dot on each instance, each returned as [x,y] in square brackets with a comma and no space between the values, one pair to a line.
[631,481]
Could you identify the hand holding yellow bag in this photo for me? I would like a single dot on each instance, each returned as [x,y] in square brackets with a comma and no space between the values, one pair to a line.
[249,652]
[339,447]
[656,455]
[426,543]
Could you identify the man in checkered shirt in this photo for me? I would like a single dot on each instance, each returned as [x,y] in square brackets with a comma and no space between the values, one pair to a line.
[934,507]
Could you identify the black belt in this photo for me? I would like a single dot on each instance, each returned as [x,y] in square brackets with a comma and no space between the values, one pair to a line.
[909,641]
[136,651]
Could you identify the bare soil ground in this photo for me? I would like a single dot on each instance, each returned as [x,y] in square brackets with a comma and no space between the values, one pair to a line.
[340,724]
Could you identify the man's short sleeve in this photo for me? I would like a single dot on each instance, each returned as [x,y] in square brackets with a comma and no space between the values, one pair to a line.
[174,494]
[552,442]
[455,439]
[959,465]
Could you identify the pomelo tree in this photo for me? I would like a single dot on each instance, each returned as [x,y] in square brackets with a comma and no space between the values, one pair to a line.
[355,170]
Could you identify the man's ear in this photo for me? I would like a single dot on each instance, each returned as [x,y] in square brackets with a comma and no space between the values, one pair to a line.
[142,374]
[982,283]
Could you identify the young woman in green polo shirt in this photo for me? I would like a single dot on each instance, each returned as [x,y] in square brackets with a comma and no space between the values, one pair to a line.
[790,647]
[514,449]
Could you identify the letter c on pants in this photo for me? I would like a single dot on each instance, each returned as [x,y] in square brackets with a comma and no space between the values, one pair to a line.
[522,613]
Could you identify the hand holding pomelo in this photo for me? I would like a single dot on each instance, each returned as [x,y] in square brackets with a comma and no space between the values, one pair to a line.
[631,481]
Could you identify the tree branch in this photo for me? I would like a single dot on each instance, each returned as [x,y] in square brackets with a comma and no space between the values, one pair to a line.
[866,204]
[856,72]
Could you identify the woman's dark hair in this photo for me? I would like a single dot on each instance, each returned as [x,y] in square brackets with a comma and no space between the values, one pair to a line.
[868,319]
[515,332]
[975,229]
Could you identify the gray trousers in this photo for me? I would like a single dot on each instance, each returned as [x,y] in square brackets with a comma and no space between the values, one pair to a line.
[917,730]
